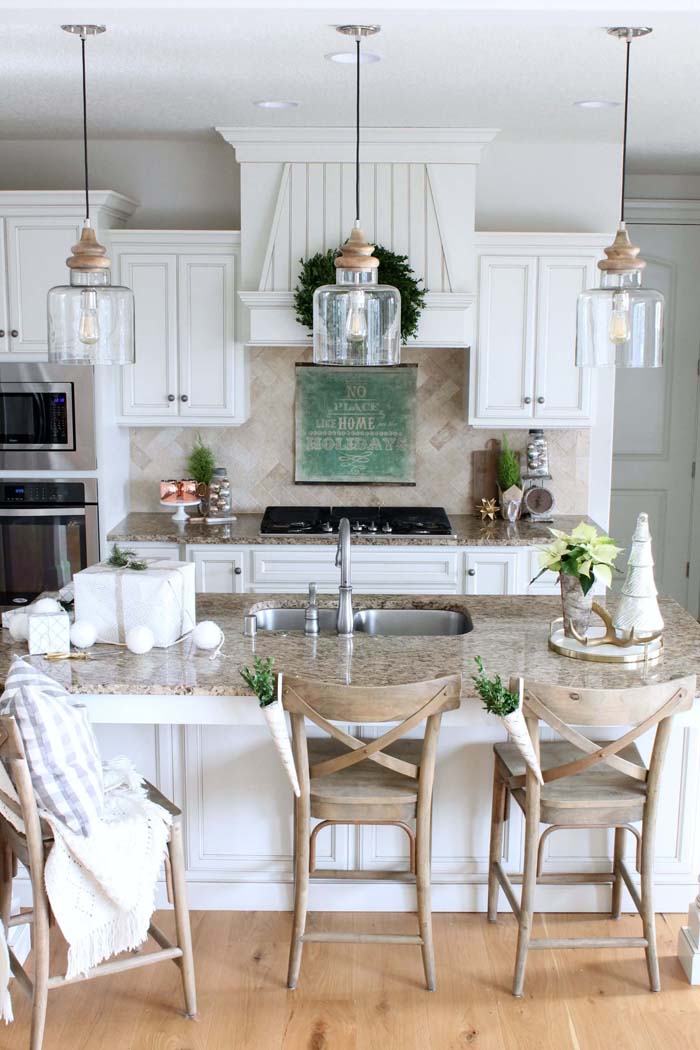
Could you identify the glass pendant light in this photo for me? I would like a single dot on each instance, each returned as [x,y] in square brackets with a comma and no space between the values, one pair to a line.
[621,323]
[90,320]
[356,320]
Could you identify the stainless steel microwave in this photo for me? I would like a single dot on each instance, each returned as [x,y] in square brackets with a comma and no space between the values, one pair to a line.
[47,417]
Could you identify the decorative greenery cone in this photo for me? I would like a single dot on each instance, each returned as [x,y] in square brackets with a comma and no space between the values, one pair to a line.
[508,707]
[262,681]
[638,610]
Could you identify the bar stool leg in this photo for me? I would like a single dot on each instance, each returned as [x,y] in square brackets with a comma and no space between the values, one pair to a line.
[40,948]
[648,917]
[618,856]
[425,918]
[182,917]
[302,821]
[526,905]
[498,808]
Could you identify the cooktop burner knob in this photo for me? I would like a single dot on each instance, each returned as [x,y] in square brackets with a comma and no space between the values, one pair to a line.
[357,526]
[326,526]
[372,527]
[386,527]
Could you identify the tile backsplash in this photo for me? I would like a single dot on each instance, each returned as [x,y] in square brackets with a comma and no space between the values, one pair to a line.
[259,456]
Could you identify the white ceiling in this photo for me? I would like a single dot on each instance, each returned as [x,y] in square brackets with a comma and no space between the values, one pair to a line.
[175,69]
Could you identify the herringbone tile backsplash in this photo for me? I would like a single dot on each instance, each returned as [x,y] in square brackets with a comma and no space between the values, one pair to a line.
[259,456]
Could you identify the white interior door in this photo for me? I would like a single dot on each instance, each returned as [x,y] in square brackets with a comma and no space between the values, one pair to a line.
[4,324]
[655,436]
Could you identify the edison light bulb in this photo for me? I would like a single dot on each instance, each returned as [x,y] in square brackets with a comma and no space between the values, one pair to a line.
[88,327]
[619,330]
[356,323]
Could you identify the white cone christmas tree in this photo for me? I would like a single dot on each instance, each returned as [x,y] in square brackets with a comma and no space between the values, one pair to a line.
[638,610]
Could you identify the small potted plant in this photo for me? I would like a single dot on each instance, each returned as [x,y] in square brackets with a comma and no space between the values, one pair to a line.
[508,707]
[201,465]
[261,679]
[509,481]
[580,558]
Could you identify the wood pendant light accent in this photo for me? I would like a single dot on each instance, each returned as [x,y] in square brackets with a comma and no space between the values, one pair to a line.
[622,255]
[356,253]
[88,255]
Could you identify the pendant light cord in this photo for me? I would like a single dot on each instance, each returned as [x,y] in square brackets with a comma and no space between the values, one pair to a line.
[357,133]
[85,137]
[628,44]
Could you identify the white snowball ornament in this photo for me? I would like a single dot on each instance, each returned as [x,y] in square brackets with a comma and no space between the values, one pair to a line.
[19,627]
[47,605]
[140,640]
[207,635]
[83,634]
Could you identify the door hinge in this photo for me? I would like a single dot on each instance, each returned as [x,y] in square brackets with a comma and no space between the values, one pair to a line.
[687,570]
[692,470]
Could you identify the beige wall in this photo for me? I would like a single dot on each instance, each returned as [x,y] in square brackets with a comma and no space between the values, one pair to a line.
[259,456]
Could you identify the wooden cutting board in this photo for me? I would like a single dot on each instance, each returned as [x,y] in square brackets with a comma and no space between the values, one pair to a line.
[484,483]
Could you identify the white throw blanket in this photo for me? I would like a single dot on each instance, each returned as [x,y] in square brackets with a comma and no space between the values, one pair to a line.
[101,887]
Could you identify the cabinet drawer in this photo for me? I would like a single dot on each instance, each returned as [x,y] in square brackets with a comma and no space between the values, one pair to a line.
[405,571]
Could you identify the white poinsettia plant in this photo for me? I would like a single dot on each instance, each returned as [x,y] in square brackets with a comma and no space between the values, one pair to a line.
[584,553]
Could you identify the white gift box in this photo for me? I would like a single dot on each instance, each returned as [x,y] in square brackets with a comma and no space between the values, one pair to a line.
[48,633]
[160,596]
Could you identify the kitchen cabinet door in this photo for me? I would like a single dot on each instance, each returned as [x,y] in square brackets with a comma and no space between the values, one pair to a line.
[150,385]
[505,351]
[492,572]
[562,391]
[218,571]
[36,250]
[206,290]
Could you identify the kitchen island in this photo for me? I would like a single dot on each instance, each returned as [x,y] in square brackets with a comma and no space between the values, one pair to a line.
[190,723]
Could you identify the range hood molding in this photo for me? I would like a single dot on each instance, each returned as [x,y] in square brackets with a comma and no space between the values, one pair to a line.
[418,193]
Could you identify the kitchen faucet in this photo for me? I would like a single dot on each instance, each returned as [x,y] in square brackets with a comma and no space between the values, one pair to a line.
[344,623]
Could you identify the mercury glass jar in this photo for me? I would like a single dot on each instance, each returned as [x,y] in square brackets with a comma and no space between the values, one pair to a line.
[219,497]
[357,321]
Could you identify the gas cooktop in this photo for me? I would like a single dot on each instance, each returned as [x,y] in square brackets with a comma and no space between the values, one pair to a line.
[396,521]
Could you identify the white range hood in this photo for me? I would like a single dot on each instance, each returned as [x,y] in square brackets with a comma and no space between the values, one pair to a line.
[297,198]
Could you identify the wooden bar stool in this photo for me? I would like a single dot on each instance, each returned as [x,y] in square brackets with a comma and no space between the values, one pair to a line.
[347,780]
[33,847]
[587,784]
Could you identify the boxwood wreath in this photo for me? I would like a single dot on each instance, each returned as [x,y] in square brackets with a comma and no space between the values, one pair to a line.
[393,270]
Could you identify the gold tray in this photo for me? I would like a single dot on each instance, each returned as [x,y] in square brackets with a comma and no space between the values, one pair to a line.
[649,652]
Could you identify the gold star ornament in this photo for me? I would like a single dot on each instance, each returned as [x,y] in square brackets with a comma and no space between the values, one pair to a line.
[488,509]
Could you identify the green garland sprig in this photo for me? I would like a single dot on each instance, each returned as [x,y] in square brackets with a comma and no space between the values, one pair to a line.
[497,699]
[394,270]
[121,559]
[261,680]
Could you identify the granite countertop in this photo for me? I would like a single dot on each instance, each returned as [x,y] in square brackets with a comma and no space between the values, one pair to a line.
[510,633]
[470,531]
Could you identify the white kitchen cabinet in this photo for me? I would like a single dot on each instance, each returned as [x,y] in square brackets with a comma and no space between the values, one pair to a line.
[37,232]
[375,570]
[491,571]
[522,370]
[218,571]
[188,368]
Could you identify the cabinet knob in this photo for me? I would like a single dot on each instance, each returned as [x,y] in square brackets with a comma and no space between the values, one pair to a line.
[14,333]
[238,570]
[2,333]
[540,400]
[527,400]
[184,397]
[471,572]
[171,397]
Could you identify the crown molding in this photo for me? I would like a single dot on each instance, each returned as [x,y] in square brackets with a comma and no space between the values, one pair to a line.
[337,144]
[66,202]
[663,211]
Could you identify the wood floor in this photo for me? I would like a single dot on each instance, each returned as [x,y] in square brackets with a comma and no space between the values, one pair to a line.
[359,997]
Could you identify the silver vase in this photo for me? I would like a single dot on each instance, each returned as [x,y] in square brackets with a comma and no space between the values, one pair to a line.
[576,606]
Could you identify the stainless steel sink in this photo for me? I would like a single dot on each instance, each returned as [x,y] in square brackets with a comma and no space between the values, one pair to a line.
[385,622]
[293,619]
[402,622]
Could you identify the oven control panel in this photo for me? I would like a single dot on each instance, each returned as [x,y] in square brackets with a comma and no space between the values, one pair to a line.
[42,493]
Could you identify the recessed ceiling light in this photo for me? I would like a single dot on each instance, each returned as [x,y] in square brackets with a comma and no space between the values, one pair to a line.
[597,103]
[347,57]
[276,103]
